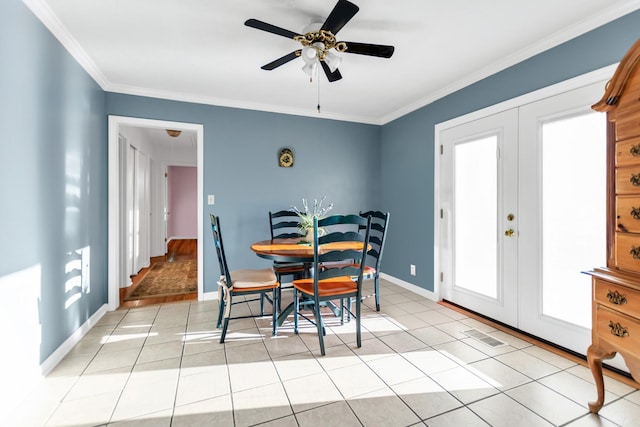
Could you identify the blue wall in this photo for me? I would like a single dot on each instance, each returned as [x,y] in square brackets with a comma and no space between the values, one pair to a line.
[339,160]
[407,143]
[53,180]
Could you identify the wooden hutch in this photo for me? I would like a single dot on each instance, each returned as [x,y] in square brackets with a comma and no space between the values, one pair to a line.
[616,288]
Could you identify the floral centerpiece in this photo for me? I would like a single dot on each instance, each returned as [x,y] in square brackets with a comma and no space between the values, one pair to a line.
[307,215]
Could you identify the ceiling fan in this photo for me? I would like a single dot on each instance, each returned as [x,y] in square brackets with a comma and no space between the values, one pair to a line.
[318,46]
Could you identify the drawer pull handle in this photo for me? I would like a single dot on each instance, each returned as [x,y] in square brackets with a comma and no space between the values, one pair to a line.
[635,213]
[635,179]
[618,330]
[635,252]
[635,150]
[616,297]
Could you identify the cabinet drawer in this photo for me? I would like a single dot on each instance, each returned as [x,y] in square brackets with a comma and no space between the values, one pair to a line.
[628,180]
[617,297]
[628,251]
[628,152]
[628,213]
[618,329]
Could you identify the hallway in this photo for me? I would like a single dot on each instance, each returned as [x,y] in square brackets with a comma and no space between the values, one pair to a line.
[177,250]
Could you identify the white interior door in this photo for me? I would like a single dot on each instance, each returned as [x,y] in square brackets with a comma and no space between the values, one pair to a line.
[547,185]
[137,211]
[143,210]
[131,211]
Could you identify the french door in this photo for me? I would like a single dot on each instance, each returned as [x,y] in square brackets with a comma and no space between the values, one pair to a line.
[479,192]
[522,201]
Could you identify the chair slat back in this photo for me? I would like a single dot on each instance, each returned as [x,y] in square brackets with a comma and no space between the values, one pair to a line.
[322,255]
[378,233]
[219,245]
[284,225]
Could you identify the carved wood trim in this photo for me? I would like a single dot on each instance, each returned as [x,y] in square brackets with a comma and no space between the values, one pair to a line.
[615,87]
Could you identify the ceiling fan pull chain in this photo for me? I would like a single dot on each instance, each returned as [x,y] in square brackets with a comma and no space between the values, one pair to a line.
[318,95]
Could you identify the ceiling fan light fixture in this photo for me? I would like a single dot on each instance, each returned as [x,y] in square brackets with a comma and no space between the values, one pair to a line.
[310,69]
[309,54]
[319,42]
[333,61]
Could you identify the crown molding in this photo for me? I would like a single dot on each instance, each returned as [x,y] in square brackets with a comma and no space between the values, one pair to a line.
[43,12]
[231,103]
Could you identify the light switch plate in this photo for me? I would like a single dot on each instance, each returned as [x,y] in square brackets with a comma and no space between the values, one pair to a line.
[211,199]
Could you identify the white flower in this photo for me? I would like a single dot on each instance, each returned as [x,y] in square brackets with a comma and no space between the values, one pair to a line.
[307,216]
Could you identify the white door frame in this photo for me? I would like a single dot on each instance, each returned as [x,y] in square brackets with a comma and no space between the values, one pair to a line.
[565,86]
[114,243]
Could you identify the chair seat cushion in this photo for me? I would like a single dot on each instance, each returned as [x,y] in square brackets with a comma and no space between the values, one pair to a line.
[335,286]
[245,279]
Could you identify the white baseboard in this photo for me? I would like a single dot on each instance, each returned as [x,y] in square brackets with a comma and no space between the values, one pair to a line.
[56,357]
[209,296]
[181,238]
[411,287]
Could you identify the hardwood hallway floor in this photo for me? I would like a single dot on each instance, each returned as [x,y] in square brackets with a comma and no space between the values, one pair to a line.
[177,250]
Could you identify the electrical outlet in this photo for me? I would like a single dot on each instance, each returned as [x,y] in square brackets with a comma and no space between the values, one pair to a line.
[413,269]
[211,199]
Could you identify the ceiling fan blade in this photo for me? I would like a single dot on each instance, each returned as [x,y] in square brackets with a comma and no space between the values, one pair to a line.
[379,50]
[260,25]
[281,61]
[339,16]
[332,77]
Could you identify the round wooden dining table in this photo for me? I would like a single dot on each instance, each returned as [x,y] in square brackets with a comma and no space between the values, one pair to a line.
[297,250]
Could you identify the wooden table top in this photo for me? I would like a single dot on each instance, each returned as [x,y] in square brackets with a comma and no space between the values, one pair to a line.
[295,250]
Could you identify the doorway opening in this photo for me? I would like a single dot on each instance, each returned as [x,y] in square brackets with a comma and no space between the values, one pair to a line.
[169,278]
[118,248]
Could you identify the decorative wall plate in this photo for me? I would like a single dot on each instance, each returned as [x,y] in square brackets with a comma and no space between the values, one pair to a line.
[285,158]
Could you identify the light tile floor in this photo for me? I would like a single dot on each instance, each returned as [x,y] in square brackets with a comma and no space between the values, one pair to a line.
[163,366]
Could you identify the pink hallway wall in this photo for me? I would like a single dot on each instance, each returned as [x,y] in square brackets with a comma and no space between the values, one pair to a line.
[182,202]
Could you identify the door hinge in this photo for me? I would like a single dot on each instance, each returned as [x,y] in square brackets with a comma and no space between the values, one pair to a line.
[441,276]
[441,213]
[441,149]
[165,175]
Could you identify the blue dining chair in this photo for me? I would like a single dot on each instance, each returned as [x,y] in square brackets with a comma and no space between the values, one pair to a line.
[241,283]
[379,225]
[285,224]
[377,235]
[332,284]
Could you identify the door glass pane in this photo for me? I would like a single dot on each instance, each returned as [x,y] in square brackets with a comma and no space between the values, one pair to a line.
[475,215]
[573,213]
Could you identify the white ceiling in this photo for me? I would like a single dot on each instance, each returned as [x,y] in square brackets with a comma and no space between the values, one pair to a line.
[159,137]
[201,51]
